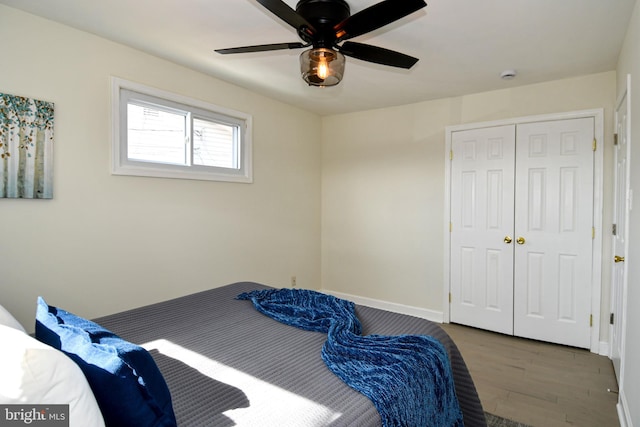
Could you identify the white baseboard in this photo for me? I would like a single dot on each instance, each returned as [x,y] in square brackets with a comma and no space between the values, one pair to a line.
[623,411]
[432,315]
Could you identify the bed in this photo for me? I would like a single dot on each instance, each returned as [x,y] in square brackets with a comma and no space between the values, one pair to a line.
[212,359]
[227,364]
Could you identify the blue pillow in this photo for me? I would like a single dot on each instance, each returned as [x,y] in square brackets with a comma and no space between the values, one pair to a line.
[124,378]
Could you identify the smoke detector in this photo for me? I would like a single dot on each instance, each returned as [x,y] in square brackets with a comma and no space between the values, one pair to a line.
[508,74]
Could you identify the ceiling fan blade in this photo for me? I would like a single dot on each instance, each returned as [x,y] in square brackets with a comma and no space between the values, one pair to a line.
[378,55]
[288,15]
[261,48]
[375,17]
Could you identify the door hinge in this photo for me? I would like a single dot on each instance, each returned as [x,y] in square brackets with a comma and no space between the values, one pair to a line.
[450,227]
[593,233]
[450,154]
[611,316]
[615,139]
[591,320]
[595,144]
[614,229]
[449,297]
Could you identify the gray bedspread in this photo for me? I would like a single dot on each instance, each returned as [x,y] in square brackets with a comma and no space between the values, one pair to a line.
[226,364]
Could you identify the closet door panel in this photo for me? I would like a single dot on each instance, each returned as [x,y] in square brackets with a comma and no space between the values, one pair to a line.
[482,216]
[553,229]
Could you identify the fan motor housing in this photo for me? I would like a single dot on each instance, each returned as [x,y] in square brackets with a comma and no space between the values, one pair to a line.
[323,15]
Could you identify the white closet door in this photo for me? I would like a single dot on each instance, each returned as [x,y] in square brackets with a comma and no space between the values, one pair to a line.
[481,219]
[553,231]
[621,206]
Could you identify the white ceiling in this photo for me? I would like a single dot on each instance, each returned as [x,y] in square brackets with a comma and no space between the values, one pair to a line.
[463,45]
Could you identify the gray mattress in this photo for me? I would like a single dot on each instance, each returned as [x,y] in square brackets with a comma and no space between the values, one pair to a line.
[228,365]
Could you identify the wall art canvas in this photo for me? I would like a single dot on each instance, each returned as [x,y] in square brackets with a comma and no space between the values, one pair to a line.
[26,148]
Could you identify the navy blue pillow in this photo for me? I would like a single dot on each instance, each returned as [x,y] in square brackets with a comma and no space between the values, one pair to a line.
[125,380]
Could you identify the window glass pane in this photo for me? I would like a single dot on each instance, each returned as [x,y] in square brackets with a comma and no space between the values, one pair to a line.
[162,134]
[214,144]
[155,135]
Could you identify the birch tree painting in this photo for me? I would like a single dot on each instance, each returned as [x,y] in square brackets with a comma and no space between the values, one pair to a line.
[26,148]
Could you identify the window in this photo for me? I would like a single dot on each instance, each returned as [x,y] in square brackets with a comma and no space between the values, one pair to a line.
[160,134]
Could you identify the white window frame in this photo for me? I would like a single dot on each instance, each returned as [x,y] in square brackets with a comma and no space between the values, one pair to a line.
[124,90]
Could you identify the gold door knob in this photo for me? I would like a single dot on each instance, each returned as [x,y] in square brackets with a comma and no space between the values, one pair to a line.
[520,240]
[618,258]
[507,239]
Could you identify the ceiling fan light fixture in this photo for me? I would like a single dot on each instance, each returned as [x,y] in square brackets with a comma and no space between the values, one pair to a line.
[322,66]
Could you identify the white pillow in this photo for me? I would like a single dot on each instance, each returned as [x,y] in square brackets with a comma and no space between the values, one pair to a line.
[35,373]
[7,319]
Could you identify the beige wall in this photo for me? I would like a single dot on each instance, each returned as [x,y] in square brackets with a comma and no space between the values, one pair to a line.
[106,243]
[629,63]
[383,186]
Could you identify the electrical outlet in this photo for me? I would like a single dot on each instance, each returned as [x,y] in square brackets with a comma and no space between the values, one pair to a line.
[293,281]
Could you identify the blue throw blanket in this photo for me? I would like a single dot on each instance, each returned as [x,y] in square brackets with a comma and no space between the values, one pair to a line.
[407,377]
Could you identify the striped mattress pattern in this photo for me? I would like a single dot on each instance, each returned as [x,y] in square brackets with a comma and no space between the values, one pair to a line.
[228,365]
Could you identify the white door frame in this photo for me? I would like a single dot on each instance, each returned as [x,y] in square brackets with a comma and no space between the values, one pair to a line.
[596,271]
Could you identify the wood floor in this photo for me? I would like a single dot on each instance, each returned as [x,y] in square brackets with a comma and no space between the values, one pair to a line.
[540,384]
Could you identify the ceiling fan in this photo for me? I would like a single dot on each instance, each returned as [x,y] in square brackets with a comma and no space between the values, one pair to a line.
[325,25]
